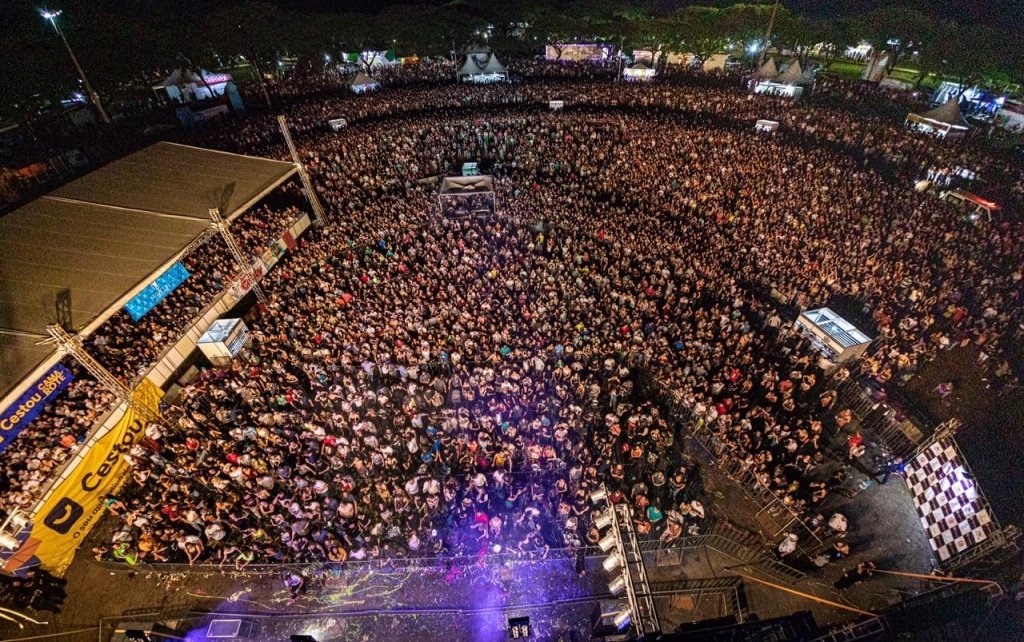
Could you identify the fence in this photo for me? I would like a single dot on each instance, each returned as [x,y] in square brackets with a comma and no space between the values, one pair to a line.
[719,536]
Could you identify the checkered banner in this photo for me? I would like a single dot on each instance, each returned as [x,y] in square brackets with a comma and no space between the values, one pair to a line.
[953,512]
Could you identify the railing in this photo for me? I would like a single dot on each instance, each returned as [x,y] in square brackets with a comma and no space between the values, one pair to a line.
[771,505]
[720,537]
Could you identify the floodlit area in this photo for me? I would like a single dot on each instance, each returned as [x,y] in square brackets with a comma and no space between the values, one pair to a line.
[555,322]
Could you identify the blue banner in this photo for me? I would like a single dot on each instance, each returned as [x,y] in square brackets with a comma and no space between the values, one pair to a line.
[20,414]
[156,291]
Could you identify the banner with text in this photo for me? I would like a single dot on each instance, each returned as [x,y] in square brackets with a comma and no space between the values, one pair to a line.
[20,414]
[76,504]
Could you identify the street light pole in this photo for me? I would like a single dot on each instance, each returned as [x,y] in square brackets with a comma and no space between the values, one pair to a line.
[93,96]
[768,34]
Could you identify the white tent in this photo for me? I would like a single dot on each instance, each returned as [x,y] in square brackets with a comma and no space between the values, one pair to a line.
[716,62]
[794,75]
[184,85]
[482,67]
[363,83]
[767,71]
[640,71]
[945,120]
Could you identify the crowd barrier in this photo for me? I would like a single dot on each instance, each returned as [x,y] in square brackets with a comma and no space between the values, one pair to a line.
[745,548]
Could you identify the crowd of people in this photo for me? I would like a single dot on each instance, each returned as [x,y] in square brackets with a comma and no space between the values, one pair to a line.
[128,349]
[424,386]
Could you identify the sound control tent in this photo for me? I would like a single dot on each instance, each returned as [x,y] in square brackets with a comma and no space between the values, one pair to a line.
[466,196]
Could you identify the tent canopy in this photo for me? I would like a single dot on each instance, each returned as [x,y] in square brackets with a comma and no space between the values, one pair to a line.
[462,185]
[92,244]
[947,113]
[362,80]
[768,70]
[794,75]
[186,76]
[481,64]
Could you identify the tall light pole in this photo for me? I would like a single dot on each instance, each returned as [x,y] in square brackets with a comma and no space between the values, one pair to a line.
[768,34]
[93,96]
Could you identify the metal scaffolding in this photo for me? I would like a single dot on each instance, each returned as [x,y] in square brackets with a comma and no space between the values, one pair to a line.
[71,345]
[244,264]
[633,573]
[307,186]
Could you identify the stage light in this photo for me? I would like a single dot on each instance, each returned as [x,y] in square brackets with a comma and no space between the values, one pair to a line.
[18,521]
[607,542]
[618,585]
[603,521]
[612,563]
[598,495]
[622,619]
[8,542]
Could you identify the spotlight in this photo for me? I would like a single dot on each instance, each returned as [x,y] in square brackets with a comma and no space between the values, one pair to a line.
[598,495]
[603,521]
[8,542]
[622,619]
[607,542]
[19,521]
[612,563]
[618,585]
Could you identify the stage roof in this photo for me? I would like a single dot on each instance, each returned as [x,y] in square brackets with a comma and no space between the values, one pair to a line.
[96,242]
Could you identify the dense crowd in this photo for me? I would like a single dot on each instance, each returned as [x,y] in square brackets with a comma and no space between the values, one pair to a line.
[419,385]
[128,349]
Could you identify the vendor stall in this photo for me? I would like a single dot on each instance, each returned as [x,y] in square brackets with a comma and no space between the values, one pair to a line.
[638,72]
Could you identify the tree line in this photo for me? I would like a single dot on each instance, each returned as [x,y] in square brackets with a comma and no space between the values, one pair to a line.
[122,44]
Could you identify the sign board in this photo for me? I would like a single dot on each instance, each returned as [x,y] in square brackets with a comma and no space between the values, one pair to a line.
[156,291]
[22,412]
[555,105]
[338,124]
[77,502]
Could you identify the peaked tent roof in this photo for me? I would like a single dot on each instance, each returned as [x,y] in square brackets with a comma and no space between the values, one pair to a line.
[793,75]
[475,63]
[494,66]
[947,114]
[362,79]
[179,77]
[641,64]
[767,70]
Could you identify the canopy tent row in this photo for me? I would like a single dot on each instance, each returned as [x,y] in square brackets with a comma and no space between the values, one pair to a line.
[79,254]
[943,121]
[482,67]
[789,83]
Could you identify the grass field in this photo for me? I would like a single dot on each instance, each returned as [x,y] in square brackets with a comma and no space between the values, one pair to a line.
[854,70]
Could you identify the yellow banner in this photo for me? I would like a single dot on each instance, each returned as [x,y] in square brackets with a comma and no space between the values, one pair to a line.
[76,503]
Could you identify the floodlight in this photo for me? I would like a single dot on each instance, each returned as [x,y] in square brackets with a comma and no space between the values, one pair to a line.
[603,521]
[612,563]
[618,585]
[598,495]
[607,542]
[622,619]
